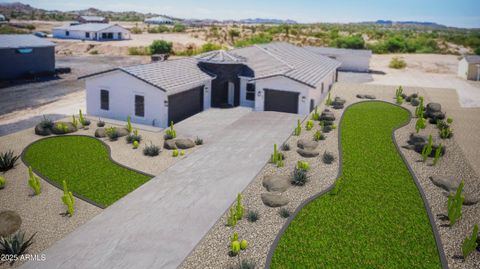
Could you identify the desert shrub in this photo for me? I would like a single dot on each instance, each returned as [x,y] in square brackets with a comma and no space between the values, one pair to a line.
[112,133]
[252,216]
[158,29]
[244,264]
[151,150]
[349,42]
[46,123]
[7,160]
[133,137]
[285,146]
[15,244]
[170,133]
[161,47]
[175,153]
[470,243]
[100,123]
[318,136]
[210,47]
[178,28]
[139,51]
[299,177]
[261,38]
[198,141]
[303,165]
[328,157]
[397,63]
[309,125]
[93,52]
[284,213]
[136,30]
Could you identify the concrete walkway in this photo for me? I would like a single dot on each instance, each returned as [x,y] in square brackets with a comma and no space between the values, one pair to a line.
[157,225]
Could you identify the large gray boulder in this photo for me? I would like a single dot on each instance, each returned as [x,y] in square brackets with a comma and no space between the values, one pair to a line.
[370,96]
[274,199]
[184,143]
[122,131]
[169,144]
[434,107]
[469,198]
[40,130]
[100,132]
[308,153]
[276,183]
[307,144]
[10,222]
[447,183]
[327,115]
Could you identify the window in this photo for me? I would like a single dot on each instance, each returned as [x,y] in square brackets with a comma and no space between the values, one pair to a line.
[87,35]
[67,33]
[250,92]
[139,106]
[24,51]
[104,100]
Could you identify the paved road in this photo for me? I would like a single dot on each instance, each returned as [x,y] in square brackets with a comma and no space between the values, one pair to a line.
[157,225]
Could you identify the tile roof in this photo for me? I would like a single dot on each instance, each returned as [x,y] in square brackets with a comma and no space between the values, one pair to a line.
[338,51]
[220,56]
[93,18]
[472,59]
[23,41]
[169,75]
[92,27]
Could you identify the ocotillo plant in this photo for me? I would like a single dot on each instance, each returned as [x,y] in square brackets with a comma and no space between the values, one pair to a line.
[239,208]
[438,151]
[470,243]
[298,129]
[427,149]
[68,199]
[421,124]
[455,205]
[34,181]
[328,102]
[129,124]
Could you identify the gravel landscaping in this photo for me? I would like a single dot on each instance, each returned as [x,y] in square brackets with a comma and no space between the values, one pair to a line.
[212,251]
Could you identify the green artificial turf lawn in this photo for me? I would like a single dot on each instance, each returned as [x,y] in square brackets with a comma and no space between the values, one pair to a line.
[378,219]
[85,164]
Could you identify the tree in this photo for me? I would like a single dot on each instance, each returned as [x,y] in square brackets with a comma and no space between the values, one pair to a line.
[178,27]
[161,47]
[232,33]
[477,51]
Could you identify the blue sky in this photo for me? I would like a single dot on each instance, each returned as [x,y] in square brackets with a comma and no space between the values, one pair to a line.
[461,13]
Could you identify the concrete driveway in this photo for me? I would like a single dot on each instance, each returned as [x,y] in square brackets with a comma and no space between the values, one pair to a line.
[157,225]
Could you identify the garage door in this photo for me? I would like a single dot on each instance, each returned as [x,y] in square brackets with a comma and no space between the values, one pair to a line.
[185,104]
[281,101]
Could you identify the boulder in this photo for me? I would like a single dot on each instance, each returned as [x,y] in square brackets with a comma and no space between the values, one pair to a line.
[100,132]
[308,153]
[419,148]
[40,130]
[417,139]
[70,128]
[274,199]
[307,144]
[415,102]
[184,143]
[327,128]
[327,115]
[447,183]
[434,107]
[338,103]
[10,222]
[276,183]
[360,96]
[169,144]
[122,131]
[369,96]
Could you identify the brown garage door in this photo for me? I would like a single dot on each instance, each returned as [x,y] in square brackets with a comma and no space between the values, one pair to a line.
[281,101]
[185,104]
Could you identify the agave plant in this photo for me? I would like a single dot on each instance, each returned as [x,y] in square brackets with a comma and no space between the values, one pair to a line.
[15,244]
[7,161]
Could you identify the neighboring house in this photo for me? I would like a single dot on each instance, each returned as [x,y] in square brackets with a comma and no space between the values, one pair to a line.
[92,31]
[469,67]
[2,18]
[92,19]
[159,20]
[25,56]
[353,60]
[270,77]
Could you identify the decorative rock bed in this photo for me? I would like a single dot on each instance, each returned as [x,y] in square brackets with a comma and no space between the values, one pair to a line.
[10,223]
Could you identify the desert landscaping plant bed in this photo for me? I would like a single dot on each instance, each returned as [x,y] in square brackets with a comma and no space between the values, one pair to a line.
[378,218]
[85,163]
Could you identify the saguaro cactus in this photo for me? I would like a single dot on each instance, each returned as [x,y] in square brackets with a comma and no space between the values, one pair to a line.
[298,129]
[427,149]
[455,205]
[239,208]
[68,199]
[34,181]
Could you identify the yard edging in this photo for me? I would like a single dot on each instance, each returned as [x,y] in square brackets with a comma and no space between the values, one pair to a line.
[436,234]
[57,185]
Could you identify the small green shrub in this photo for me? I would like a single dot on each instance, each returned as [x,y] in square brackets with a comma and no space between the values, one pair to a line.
[7,160]
[198,141]
[398,91]
[303,165]
[317,136]
[243,244]
[161,47]
[427,149]
[470,243]
[399,100]
[151,150]
[175,153]
[182,152]
[2,182]
[285,146]
[397,63]
[309,125]
[83,121]
[239,210]
[15,244]
[235,248]
[234,237]
[252,216]
[315,115]
[298,129]
[449,120]
[328,157]
[284,213]
[74,121]
[135,30]
[170,133]
[112,133]
[231,218]
[244,264]
[421,124]
[299,177]
[68,199]
[61,126]
[455,205]
[333,126]
[438,151]
[34,181]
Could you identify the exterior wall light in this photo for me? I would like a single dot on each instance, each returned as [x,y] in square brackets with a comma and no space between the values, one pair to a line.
[304,98]
[259,93]
[165,103]
[206,89]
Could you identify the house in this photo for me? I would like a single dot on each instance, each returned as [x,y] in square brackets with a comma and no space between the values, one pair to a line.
[25,56]
[353,60]
[159,20]
[92,19]
[268,77]
[469,67]
[92,31]
[2,19]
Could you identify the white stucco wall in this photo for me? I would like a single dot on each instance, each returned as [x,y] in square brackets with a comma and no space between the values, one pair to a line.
[354,62]
[76,34]
[122,89]
[243,93]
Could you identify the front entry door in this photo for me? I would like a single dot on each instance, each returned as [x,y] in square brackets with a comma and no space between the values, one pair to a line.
[231,93]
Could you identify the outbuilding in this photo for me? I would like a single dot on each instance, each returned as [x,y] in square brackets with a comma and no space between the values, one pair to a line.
[270,77]
[24,56]
[159,20]
[92,31]
[92,19]
[469,67]
[353,60]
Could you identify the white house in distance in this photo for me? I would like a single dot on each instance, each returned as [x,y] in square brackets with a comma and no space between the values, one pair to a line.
[469,67]
[92,19]
[270,77]
[353,60]
[159,20]
[92,31]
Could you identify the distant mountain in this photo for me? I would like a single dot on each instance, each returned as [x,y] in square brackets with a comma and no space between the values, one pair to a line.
[408,23]
[266,21]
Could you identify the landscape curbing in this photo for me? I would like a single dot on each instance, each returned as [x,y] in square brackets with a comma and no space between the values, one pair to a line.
[436,234]
[57,185]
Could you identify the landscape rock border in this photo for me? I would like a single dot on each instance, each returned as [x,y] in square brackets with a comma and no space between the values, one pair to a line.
[59,186]
[441,252]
